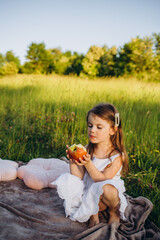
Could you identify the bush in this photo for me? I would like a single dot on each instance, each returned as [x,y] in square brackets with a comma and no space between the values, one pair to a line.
[9,68]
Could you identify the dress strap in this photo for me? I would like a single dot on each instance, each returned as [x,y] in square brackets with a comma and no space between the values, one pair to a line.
[114,156]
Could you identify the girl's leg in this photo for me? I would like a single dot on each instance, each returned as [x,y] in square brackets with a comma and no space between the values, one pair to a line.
[94,219]
[111,199]
[102,205]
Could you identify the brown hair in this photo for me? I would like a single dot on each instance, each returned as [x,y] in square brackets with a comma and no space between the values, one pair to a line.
[107,112]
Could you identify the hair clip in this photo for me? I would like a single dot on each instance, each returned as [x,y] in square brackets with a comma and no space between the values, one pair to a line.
[117,120]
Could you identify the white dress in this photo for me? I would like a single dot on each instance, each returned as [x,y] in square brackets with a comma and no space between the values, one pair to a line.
[81,197]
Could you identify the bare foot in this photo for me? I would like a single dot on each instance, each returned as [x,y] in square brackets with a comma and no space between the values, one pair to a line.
[113,217]
[94,220]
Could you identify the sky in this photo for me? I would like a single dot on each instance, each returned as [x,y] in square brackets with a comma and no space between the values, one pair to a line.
[75,25]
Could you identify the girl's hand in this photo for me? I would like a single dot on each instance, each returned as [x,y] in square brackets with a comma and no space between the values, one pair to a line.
[85,161]
[71,160]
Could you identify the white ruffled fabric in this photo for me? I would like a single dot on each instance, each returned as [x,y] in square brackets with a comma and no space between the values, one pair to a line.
[81,197]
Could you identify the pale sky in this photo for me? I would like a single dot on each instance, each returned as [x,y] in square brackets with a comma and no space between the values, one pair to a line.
[75,25]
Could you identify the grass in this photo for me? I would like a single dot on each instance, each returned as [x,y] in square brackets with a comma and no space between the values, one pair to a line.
[39,115]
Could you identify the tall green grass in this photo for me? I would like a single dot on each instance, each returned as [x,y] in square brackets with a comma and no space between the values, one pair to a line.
[39,115]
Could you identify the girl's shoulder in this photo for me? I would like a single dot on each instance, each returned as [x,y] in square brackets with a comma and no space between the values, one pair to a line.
[115,159]
[116,154]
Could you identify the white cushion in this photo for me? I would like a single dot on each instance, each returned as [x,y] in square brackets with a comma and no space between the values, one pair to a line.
[40,172]
[8,170]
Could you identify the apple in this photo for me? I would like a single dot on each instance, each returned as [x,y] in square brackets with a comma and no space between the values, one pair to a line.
[76,151]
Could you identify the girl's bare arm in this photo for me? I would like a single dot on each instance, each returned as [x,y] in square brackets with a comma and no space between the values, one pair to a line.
[108,172]
[76,170]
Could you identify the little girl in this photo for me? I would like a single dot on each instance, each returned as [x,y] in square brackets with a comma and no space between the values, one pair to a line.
[94,183]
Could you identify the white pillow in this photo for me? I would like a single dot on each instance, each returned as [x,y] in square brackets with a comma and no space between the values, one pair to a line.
[40,172]
[8,170]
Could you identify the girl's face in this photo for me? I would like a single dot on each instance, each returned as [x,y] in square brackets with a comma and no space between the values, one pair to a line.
[99,130]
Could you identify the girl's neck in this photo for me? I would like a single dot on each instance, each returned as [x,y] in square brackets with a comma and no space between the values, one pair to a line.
[102,151]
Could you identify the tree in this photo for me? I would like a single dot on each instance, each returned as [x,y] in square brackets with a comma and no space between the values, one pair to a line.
[9,64]
[75,64]
[136,56]
[66,63]
[108,62]
[40,59]
[90,62]
[9,68]
[62,64]
[2,60]
[28,68]
[10,57]
[157,42]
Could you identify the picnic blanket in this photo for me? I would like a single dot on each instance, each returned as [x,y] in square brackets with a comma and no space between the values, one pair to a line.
[28,214]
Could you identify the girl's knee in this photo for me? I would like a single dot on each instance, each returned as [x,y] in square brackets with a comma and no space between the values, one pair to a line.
[110,192]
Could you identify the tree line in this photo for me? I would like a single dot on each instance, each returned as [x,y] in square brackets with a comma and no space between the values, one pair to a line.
[138,57]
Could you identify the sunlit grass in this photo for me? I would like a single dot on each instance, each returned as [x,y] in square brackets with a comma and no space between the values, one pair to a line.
[39,115]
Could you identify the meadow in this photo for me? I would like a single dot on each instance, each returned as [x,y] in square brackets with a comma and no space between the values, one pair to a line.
[40,114]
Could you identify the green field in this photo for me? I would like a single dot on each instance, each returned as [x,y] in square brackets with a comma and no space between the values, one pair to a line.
[40,114]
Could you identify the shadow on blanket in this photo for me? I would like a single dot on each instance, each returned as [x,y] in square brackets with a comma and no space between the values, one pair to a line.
[39,214]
